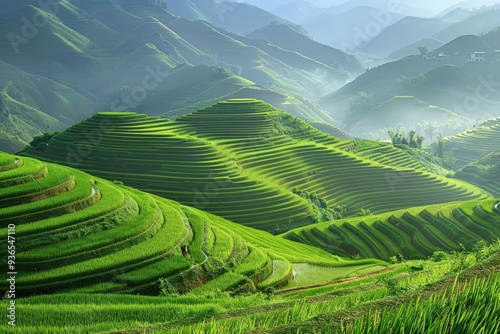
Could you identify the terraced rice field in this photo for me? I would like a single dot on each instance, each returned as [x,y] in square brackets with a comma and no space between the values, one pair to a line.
[241,159]
[75,232]
[333,130]
[415,233]
[474,144]
[484,173]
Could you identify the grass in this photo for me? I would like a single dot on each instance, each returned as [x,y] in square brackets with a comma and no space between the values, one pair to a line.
[306,274]
[469,307]
[349,306]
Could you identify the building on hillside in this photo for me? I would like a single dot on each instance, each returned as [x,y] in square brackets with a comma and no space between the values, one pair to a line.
[478,56]
[485,56]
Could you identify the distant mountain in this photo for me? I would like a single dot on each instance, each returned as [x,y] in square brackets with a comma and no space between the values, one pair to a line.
[412,29]
[382,5]
[347,28]
[239,18]
[464,45]
[479,22]
[444,81]
[284,37]
[469,4]
[271,5]
[85,57]
[412,49]
[298,11]
[407,31]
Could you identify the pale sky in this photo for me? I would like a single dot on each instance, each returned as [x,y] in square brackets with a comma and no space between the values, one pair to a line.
[435,6]
[439,5]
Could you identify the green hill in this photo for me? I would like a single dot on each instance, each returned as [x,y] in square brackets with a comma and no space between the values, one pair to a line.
[412,49]
[130,55]
[414,233]
[464,44]
[474,144]
[89,246]
[404,32]
[75,232]
[332,130]
[484,173]
[283,36]
[243,154]
[236,17]
[448,83]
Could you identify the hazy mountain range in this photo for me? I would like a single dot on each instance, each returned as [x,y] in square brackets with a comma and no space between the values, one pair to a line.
[171,58]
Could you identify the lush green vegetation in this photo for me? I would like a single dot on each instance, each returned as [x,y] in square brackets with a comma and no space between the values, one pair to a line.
[476,143]
[484,173]
[311,310]
[234,216]
[93,244]
[410,234]
[76,230]
[470,307]
[243,154]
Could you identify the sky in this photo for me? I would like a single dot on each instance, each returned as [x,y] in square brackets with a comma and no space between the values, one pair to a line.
[434,6]
[437,6]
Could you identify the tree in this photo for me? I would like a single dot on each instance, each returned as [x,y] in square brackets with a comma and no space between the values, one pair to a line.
[439,152]
[429,129]
[420,141]
[412,142]
[423,50]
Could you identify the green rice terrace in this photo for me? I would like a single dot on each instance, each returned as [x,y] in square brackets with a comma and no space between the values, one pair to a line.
[136,262]
[251,163]
[75,232]
[474,144]
[414,234]
[484,173]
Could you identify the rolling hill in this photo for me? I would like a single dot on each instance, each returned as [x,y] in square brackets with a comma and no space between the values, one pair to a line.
[134,55]
[484,173]
[414,233]
[443,79]
[413,29]
[289,39]
[165,195]
[103,248]
[75,232]
[237,17]
[474,144]
[243,154]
